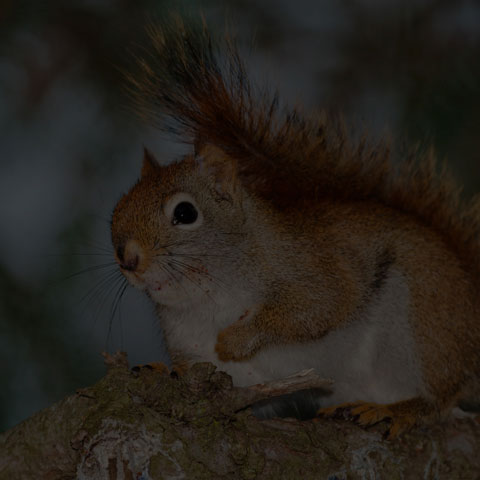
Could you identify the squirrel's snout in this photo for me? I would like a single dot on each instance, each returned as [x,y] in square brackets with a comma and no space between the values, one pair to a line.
[131,264]
[129,256]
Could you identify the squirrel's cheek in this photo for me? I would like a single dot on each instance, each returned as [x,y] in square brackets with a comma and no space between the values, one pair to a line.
[156,281]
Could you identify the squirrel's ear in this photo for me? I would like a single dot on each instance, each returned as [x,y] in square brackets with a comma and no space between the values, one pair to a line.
[150,164]
[216,162]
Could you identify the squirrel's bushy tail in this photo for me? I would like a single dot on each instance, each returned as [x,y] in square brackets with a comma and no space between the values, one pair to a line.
[190,86]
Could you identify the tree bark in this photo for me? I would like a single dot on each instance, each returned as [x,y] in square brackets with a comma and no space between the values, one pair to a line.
[149,425]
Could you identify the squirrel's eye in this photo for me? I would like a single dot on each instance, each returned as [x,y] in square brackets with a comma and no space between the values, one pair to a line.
[184,213]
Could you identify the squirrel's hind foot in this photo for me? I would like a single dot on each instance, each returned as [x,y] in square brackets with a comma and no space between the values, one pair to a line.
[402,415]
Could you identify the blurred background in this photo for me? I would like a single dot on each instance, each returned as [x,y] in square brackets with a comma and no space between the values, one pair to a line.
[69,147]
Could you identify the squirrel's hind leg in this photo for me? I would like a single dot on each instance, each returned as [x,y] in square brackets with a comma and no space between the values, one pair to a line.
[402,415]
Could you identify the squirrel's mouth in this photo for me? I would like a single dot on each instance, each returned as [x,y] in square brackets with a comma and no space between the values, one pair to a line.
[160,286]
[134,279]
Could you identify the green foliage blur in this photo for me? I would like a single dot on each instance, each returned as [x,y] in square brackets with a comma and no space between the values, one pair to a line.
[409,69]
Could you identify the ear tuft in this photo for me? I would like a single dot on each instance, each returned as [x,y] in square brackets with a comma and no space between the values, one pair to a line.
[150,164]
[214,161]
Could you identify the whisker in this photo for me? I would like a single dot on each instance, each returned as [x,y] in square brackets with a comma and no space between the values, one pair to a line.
[103,247]
[104,290]
[116,286]
[194,255]
[195,282]
[117,297]
[101,218]
[172,276]
[174,244]
[215,280]
[90,269]
[188,266]
[183,274]
[79,254]
[97,295]
[108,277]
[115,307]
[157,246]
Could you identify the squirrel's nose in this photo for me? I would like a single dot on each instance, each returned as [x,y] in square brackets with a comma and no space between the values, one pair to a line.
[130,264]
[128,256]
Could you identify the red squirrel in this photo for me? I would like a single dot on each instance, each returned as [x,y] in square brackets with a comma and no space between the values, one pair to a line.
[280,244]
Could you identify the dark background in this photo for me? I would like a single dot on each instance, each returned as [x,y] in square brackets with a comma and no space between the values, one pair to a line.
[69,147]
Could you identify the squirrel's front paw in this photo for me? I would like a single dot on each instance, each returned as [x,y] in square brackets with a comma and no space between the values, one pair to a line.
[237,342]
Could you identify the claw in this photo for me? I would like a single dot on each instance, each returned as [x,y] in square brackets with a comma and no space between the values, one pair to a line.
[368,414]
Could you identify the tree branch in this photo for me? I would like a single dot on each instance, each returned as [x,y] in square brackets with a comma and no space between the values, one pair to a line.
[151,425]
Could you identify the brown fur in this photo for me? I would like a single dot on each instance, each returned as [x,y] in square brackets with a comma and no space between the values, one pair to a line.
[283,157]
[370,215]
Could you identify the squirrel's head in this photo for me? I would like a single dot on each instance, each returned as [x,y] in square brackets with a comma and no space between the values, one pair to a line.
[179,230]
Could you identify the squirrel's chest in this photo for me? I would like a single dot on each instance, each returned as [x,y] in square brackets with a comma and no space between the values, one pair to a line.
[366,360]
[193,332]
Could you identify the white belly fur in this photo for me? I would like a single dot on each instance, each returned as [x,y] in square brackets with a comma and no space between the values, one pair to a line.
[372,359]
